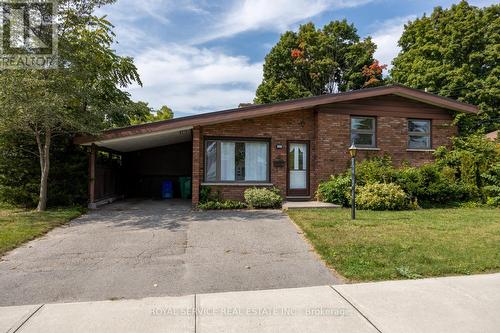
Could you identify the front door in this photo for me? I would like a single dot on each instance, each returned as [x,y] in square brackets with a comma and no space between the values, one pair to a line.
[298,169]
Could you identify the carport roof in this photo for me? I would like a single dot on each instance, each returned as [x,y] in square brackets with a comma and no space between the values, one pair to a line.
[174,130]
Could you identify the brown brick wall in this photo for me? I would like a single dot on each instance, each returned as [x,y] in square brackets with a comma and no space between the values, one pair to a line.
[328,131]
[391,136]
[279,128]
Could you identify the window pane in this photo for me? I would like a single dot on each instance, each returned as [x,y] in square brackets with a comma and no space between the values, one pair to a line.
[362,123]
[422,126]
[211,161]
[240,161]
[291,158]
[360,139]
[419,142]
[301,159]
[256,161]
[227,161]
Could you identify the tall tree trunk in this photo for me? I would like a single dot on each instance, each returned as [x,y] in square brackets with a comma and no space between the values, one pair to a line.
[44,151]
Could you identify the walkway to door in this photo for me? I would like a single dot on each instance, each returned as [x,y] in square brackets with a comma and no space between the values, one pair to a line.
[135,249]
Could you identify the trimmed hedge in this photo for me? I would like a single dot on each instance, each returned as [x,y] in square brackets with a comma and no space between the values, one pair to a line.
[380,196]
[263,198]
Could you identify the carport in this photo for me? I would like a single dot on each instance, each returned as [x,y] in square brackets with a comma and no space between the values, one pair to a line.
[136,166]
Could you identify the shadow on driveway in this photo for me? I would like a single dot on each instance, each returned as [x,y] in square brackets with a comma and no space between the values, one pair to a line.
[135,249]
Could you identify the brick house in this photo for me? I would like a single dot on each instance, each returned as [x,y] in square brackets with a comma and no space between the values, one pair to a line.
[292,145]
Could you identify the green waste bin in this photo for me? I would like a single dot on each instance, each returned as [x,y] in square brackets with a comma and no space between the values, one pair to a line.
[185,184]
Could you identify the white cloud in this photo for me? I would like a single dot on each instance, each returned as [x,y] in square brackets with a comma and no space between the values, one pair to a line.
[194,80]
[386,38]
[483,3]
[132,20]
[158,10]
[275,15]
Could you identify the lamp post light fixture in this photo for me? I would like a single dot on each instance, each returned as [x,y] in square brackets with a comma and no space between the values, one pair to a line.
[353,150]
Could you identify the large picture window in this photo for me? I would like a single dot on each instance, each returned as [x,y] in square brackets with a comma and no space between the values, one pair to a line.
[363,132]
[236,161]
[419,134]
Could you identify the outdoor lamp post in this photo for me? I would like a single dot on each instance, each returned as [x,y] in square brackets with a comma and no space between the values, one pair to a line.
[353,151]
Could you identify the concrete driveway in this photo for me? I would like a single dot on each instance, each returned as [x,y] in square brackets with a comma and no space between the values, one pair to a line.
[136,249]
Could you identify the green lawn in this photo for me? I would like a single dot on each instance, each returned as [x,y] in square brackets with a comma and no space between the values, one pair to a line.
[18,226]
[408,244]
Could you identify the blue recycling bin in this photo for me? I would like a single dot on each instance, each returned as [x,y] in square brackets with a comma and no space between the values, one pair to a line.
[167,189]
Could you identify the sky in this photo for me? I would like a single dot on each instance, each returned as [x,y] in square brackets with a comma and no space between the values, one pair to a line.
[202,56]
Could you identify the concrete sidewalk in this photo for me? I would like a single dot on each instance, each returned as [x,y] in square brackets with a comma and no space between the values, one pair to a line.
[453,304]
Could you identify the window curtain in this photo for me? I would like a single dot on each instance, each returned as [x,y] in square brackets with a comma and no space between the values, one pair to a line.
[211,161]
[227,163]
[255,161]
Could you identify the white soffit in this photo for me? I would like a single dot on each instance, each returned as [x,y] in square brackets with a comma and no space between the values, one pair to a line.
[149,140]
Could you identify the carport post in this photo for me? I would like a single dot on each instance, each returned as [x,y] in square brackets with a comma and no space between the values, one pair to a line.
[197,158]
[92,160]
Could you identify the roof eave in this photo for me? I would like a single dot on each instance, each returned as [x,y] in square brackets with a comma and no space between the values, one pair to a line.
[274,108]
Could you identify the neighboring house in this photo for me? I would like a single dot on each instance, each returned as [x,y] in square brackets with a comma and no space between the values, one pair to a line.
[292,145]
[493,136]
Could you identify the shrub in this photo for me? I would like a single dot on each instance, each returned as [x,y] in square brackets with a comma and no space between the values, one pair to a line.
[375,169]
[410,180]
[431,183]
[335,190]
[471,157]
[20,171]
[263,198]
[468,172]
[379,196]
[205,193]
[492,188]
[222,204]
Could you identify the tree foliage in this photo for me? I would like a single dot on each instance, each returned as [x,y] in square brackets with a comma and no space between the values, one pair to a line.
[313,62]
[141,112]
[455,53]
[373,74]
[75,97]
[20,175]
[164,113]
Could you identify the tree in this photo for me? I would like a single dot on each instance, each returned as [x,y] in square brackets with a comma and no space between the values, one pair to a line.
[455,53]
[373,74]
[130,113]
[313,62]
[20,171]
[140,113]
[76,96]
[164,113]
